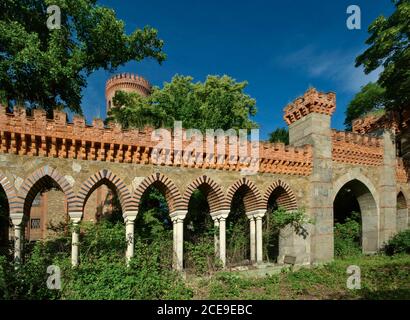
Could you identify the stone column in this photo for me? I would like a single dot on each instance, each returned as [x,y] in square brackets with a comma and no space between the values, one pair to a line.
[216,236]
[17,243]
[177,218]
[129,219]
[221,217]
[75,218]
[253,238]
[222,240]
[75,242]
[17,221]
[259,254]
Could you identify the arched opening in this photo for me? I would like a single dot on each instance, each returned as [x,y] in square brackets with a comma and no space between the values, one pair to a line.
[402,212]
[237,226]
[153,229]
[4,222]
[355,216]
[103,203]
[45,210]
[199,231]
[277,240]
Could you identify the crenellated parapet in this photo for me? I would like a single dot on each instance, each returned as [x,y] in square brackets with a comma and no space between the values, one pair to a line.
[311,102]
[403,171]
[38,136]
[356,148]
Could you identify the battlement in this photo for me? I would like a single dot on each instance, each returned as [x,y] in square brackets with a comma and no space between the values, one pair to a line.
[357,148]
[38,136]
[311,102]
[127,77]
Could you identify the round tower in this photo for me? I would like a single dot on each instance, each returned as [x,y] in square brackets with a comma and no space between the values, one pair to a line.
[128,83]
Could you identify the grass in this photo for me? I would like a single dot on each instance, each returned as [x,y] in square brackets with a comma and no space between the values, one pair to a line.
[382,277]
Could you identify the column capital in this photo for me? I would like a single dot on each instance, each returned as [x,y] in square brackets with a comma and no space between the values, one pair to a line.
[129,216]
[220,214]
[256,214]
[75,216]
[16,218]
[178,215]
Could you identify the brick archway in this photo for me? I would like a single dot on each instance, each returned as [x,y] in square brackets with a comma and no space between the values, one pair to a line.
[212,191]
[252,197]
[40,179]
[10,192]
[112,181]
[165,186]
[283,194]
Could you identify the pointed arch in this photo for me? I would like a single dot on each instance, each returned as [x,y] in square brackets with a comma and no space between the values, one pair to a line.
[402,212]
[283,194]
[252,198]
[10,192]
[212,191]
[110,179]
[163,184]
[44,177]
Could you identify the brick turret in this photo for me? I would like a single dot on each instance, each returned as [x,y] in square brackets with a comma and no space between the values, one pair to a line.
[125,82]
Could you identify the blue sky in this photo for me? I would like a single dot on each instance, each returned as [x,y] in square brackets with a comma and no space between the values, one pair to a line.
[280,47]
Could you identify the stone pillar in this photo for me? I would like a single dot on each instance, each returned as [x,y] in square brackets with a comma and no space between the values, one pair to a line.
[129,219]
[75,242]
[221,217]
[259,245]
[388,190]
[17,221]
[75,218]
[252,233]
[177,218]
[309,120]
[216,237]
[17,243]
[222,240]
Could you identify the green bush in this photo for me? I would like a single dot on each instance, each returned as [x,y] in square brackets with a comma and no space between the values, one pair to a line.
[347,236]
[400,243]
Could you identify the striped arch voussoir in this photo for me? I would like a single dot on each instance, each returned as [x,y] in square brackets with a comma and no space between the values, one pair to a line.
[10,192]
[112,181]
[36,182]
[285,197]
[165,185]
[215,195]
[252,199]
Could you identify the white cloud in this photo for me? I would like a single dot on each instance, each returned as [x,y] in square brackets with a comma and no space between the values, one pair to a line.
[337,66]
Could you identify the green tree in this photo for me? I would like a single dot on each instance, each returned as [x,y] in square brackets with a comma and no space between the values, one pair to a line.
[43,68]
[370,98]
[389,48]
[219,102]
[279,135]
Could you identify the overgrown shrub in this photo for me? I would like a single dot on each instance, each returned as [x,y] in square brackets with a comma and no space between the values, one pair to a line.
[347,236]
[400,243]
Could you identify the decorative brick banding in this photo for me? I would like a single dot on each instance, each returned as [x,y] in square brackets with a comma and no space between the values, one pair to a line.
[10,192]
[210,189]
[251,196]
[39,181]
[165,186]
[112,181]
[282,194]
[55,138]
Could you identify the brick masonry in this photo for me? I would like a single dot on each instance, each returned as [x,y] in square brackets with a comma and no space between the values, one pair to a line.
[37,154]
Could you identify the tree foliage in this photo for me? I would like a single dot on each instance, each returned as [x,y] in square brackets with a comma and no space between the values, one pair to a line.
[217,103]
[389,48]
[279,135]
[44,68]
[370,98]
